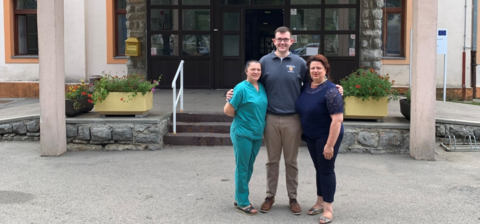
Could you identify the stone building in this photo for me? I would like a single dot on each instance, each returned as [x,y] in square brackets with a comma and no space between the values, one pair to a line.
[216,37]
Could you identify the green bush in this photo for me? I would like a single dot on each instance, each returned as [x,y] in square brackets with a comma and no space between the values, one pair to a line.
[366,83]
[132,84]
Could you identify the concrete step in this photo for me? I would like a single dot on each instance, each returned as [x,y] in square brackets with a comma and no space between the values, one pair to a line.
[202,127]
[199,139]
[203,117]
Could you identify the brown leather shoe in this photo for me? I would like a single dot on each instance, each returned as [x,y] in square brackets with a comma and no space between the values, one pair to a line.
[267,204]
[295,207]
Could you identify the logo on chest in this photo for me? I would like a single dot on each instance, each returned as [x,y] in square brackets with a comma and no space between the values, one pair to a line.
[291,68]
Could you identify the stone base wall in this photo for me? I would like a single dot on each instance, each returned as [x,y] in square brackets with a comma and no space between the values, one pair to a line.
[20,130]
[87,135]
[375,141]
[460,131]
[116,136]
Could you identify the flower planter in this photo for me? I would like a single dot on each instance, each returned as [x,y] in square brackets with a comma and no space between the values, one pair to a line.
[405,108]
[355,108]
[84,107]
[114,105]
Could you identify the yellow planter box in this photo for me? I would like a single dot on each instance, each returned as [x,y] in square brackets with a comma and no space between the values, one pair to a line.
[355,108]
[113,105]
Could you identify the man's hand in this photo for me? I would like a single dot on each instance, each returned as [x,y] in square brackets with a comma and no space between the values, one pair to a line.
[340,89]
[230,94]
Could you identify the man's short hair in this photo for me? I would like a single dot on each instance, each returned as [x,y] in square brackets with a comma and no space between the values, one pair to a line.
[282,29]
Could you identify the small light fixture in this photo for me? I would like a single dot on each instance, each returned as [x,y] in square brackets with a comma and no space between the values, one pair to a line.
[265,23]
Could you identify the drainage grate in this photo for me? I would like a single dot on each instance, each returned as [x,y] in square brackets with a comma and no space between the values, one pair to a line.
[468,144]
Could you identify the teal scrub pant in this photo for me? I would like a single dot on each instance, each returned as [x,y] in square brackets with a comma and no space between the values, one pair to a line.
[245,150]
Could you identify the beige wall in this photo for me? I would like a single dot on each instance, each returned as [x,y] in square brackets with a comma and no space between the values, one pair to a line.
[85,45]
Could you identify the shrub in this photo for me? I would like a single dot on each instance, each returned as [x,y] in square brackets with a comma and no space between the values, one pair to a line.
[366,83]
[132,84]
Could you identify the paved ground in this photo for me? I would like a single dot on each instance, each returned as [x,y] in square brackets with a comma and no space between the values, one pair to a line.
[214,100]
[195,185]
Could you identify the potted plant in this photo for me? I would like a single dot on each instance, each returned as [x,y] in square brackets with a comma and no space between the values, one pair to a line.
[405,105]
[78,100]
[127,95]
[367,93]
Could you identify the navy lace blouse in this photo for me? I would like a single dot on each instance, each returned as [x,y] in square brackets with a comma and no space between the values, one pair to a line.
[315,107]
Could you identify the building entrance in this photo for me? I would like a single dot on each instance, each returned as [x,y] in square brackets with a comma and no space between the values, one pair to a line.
[215,38]
[260,25]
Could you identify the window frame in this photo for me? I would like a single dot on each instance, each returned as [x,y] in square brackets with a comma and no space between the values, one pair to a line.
[118,11]
[397,10]
[16,14]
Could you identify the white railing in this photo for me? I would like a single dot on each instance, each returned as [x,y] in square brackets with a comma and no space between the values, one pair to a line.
[180,95]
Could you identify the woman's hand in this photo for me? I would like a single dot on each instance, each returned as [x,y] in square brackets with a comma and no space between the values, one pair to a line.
[328,152]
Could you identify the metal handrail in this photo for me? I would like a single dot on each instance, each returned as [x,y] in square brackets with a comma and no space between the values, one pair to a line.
[180,95]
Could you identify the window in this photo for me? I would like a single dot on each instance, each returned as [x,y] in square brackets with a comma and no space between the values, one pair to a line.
[120,26]
[26,36]
[393,28]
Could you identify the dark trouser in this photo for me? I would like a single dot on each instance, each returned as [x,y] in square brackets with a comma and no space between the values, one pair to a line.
[326,180]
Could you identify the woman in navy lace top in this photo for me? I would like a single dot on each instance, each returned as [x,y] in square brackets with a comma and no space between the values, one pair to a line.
[320,107]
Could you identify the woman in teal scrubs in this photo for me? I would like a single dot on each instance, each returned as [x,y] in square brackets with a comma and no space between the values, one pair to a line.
[248,106]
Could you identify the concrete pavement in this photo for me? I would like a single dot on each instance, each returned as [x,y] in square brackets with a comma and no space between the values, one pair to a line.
[196,185]
[213,101]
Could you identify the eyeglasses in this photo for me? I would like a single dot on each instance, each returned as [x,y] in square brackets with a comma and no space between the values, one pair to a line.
[280,40]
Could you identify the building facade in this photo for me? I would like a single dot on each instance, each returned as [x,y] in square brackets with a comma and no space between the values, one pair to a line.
[216,37]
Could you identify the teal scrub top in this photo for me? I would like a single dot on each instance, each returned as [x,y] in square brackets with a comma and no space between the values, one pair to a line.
[250,109]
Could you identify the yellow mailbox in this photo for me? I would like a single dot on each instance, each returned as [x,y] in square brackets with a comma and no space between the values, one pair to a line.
[132,46]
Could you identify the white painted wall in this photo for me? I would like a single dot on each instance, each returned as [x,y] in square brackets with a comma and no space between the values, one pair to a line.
[75,42]
[85,45]
[96,37]
[452,17]
[13,72]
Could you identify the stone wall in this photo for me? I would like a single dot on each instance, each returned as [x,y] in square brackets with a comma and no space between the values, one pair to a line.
[116,136]
[27,129]
[371,34]
[459,130]
[137,27]
[375,140]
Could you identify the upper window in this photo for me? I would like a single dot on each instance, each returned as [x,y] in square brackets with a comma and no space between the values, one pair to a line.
[120,26]
[393,28]
[26,36]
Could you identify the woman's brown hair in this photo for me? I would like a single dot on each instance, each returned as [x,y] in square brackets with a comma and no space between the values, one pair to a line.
[322,59]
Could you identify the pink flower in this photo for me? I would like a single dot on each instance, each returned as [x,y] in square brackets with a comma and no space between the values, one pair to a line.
[153,89]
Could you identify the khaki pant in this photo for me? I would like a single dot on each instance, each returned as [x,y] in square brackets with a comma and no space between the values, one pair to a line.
[282,132]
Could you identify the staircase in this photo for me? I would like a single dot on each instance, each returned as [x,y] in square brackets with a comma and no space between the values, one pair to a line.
[200,129]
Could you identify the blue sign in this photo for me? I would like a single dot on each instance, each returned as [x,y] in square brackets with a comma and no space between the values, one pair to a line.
[442,33]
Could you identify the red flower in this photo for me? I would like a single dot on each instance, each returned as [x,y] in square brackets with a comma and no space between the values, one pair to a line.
[99,98]
[358,86]
[371,70]
[90,101]
[121,99]
[84,93]
[90,95]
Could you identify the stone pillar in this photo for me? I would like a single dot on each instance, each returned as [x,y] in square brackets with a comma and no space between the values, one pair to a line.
[371,34]
[422,123]
[53,136]
[137,27]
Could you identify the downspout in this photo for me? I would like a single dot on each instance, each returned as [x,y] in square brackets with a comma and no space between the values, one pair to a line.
[464,90]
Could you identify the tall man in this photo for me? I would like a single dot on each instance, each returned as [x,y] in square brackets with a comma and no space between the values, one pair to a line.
[283,75]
